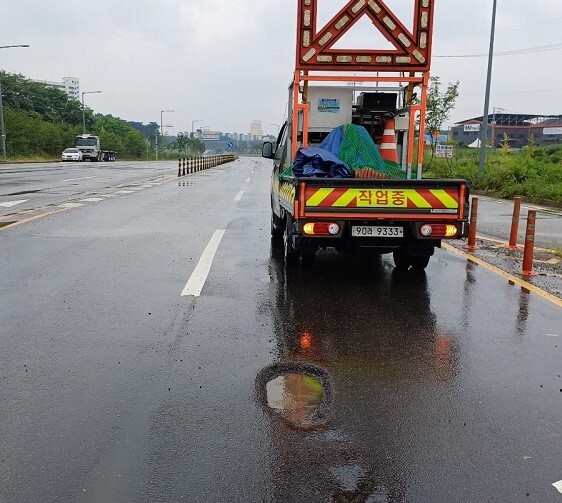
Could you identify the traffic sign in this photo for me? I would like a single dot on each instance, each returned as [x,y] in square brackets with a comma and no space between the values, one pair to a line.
[444,151]
[230,144]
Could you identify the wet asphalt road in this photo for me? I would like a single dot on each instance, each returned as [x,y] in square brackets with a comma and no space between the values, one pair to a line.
[114,388]
[27,186]
[495,215]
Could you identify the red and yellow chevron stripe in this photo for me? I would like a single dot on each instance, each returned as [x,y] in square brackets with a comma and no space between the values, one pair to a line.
[423,199]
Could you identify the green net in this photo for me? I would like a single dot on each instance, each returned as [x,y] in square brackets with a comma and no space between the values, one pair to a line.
[359,152]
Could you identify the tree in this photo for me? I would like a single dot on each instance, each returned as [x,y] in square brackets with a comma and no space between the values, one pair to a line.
[439,106]
[135,144]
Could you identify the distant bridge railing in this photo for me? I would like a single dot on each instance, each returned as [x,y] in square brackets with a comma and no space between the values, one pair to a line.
[186,166]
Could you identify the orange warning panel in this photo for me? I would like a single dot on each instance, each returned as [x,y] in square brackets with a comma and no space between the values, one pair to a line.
[315,47]
[443,201]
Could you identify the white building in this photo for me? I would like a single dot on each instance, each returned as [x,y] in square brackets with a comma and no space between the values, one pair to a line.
[70,85]
[256,128]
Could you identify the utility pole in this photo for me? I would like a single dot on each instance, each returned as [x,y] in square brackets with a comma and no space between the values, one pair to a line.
[484,128]
[2,125]
[162,112]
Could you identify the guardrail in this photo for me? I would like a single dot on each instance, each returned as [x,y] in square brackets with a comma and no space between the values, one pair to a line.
[193,165]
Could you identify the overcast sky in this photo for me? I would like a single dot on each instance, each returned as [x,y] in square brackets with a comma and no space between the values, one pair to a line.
[228,62]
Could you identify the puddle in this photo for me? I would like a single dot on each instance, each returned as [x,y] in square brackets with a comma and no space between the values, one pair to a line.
[297,397]
[300,393]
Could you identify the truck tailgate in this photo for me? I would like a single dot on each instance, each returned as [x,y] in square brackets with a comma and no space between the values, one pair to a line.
[389,199]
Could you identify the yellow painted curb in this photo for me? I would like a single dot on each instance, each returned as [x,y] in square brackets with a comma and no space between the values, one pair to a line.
[510,277]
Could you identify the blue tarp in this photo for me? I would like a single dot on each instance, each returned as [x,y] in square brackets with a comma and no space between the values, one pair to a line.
[332,142]
[320,163]
[323,161]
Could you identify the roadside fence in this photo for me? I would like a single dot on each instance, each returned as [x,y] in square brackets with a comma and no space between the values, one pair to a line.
[187,166]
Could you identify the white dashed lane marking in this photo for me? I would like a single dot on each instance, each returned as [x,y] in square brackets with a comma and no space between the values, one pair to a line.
[239,195]
[10,204]
[199,275]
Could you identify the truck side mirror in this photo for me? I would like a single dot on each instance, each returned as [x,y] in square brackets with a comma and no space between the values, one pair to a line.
[267,150]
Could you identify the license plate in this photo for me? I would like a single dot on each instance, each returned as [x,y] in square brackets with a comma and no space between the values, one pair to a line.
[359,231]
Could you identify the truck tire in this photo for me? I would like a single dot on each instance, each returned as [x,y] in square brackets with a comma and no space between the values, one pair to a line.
[307,259]
[402,260]
[277,229]
[291,255]
[420,263]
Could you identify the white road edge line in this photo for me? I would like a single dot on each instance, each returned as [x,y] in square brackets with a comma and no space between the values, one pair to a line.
[239,196]
[558,486]
[199,275]
[74,179]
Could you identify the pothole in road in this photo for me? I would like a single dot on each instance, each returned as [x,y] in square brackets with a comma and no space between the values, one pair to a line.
[300,393]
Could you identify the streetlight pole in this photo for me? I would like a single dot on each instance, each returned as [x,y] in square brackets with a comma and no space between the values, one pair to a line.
[484,128]
[83,109]
[2,126]
[162,112]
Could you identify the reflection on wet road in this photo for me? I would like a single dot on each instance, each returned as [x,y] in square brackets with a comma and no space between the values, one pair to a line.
[344,382]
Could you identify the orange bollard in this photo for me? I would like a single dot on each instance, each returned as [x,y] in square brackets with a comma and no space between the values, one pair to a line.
[179,167]
[471,246]
[529,244]
[514,224]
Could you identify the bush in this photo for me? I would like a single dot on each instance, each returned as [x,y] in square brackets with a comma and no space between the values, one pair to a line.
[535,172]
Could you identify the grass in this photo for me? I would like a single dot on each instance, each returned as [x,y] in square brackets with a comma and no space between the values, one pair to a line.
[533,172]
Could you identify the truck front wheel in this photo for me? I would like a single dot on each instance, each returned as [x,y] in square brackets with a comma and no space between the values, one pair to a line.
[420,263]
[403,260]
[276,226]
[291,255]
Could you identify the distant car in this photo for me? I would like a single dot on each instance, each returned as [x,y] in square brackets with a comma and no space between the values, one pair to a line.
[71,154]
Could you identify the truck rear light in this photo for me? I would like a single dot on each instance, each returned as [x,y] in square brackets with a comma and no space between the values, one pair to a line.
[321,228]
[439,230]
[426,230]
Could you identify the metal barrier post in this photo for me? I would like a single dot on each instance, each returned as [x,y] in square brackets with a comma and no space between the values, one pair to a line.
[471,246]
[529,245]
[514,224]
[183,163]
[179,167]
